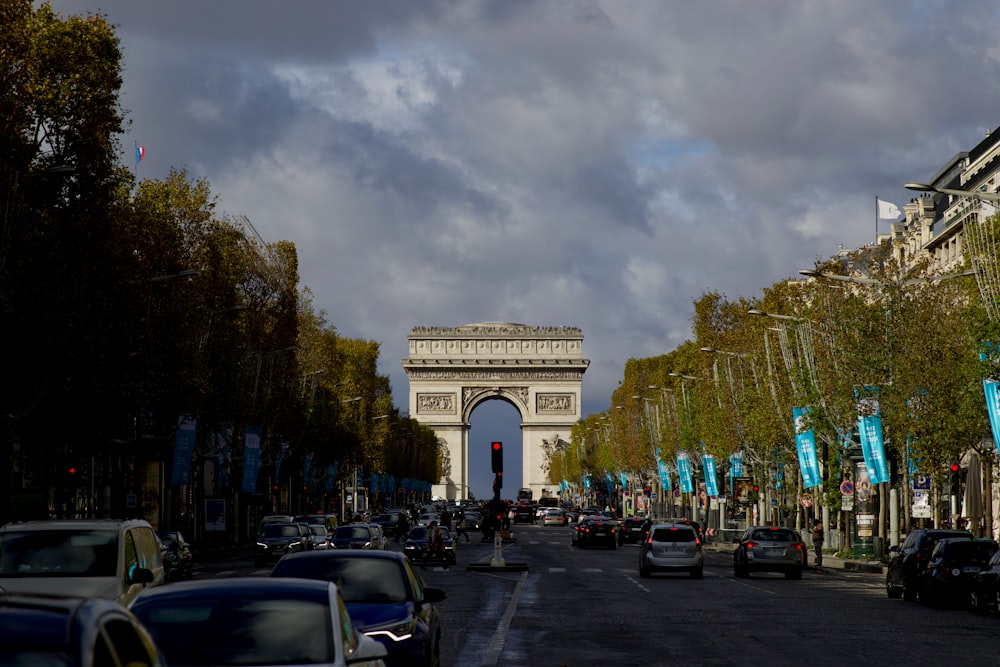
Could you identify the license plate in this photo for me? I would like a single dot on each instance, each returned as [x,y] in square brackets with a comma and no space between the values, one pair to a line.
[636,530]
[970,568]
[774,551]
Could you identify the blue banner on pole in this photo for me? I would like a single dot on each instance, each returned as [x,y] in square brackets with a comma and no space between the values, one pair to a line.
[684,473]
[664,475]
[711,481]
[805,443]
[184,439]
[870,432]
[251,459]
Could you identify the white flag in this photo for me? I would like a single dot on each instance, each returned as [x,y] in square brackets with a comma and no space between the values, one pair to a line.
[887,210]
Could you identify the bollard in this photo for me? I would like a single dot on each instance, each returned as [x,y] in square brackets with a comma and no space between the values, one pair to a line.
[497,552]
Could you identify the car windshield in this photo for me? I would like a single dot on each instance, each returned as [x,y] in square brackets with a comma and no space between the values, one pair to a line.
[58,553]
[280,530]
[169,539]
[359,580]
[352,532]
[199,631]
[775,535]
[970,550]
[418,533]
[673,535]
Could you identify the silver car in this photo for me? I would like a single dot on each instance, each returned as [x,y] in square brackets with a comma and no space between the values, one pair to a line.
[770,549]
[671,548]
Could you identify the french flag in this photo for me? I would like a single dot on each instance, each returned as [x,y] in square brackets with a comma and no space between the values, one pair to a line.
[140,152]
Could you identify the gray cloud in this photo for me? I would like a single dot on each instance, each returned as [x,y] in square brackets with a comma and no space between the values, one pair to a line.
[586,163]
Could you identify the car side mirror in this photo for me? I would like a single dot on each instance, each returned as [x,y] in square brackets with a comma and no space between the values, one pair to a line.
[141,575]
[894,549]
[433,594]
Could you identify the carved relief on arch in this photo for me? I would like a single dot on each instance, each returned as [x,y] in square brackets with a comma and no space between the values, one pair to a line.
[564,403]
[438,403]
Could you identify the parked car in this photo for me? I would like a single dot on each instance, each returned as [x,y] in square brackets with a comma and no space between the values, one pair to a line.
[770,549]
[178,559]
[254,621]
[953,564]
[102,558]
[277,539]
[72,631]
[596,530]
[635,529]
[415,546]
[908,560]
[984,594]
[671,547]
[354,536]
[386,598]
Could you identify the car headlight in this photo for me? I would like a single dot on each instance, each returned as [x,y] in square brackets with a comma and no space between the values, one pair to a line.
[261,545]
[397,632]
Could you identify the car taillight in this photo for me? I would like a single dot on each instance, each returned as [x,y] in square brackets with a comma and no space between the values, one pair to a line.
[800,546]
[752,545]
[649,541]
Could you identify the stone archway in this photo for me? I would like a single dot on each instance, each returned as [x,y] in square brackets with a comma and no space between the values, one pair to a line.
[538,370]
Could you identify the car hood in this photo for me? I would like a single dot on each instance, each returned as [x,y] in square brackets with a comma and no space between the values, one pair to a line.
[367,615]
[274,541]
[87,587]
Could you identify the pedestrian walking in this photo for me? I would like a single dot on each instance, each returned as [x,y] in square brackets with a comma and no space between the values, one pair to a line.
[402,526]
[461,526]
[817,535]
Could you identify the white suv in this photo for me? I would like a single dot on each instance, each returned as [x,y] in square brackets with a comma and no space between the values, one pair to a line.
[102,558]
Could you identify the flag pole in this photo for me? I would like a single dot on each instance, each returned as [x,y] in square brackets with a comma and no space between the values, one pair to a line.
[876,219]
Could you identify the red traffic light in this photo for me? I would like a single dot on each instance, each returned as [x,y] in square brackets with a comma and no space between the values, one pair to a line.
[756,488]
[72,470]
[496,446]
[955,467]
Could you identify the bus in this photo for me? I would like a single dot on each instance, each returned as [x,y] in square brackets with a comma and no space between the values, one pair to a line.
[524,495]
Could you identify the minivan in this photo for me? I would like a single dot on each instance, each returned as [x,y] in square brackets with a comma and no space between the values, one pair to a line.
[102,558]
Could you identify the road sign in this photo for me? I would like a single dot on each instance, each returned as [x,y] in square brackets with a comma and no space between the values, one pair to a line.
[806,500]
[653,495]
[847,503]
[921,482]
[847,488]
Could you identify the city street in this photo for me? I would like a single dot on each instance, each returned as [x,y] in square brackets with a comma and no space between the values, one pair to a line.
[584,607]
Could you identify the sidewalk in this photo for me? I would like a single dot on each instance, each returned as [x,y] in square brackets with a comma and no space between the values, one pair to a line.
[830,561]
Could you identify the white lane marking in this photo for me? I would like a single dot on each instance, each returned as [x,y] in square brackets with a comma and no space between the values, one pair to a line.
[492,654]
[557,569]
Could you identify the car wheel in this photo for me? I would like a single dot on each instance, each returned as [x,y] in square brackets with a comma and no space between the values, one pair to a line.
[697,573]
[894,592]
[644,571]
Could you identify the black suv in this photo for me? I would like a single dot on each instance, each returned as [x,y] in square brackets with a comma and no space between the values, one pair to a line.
[524,513]
[633,529]
[902,579]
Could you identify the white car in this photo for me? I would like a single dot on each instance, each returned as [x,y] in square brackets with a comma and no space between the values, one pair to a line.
[101,558]
[554,516]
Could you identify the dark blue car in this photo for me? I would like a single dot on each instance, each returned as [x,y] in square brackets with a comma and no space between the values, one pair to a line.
[385,597]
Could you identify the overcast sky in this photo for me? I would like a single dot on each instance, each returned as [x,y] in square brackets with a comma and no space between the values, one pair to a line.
[598,164]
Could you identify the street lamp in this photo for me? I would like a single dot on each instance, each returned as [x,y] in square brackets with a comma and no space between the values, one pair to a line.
[976,194]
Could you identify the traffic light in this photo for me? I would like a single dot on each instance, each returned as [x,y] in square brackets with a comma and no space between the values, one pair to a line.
[496,456]
[497,482]
[755,493]
[955,478]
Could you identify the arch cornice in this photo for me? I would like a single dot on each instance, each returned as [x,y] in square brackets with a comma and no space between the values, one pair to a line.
[473,396]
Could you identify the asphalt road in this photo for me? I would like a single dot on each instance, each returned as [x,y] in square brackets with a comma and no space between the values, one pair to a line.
[590,607]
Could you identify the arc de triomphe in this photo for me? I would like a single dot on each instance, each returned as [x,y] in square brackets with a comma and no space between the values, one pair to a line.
[538,370]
